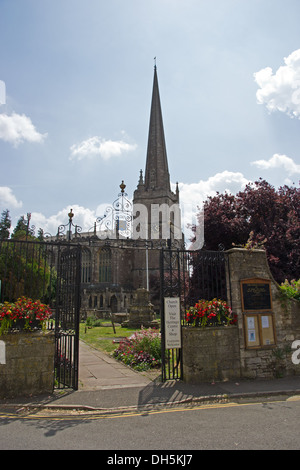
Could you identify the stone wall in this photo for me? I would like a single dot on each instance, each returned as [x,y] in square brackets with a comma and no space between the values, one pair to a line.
[26,363]
[210,354]
[223,353]
[266,361]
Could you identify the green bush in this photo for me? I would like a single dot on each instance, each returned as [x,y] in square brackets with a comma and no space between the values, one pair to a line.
[90,321]
[291,289]
[93,321]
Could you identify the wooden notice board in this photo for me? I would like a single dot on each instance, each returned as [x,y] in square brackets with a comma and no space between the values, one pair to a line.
[259,330]
[257,312]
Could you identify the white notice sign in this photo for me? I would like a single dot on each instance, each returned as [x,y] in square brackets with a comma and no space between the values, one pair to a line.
[2,353]
[265,321]
[172,323]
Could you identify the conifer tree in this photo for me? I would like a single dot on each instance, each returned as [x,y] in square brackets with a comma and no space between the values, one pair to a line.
[5,224]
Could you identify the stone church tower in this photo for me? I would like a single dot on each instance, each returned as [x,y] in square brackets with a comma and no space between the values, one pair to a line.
[117,262]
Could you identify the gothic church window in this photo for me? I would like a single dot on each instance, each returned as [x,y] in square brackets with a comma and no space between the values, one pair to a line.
[86,266]
[104,265]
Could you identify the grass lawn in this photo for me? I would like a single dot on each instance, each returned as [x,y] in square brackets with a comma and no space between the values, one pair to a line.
[101,337]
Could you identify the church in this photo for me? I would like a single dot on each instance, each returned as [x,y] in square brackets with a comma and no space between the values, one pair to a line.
[121,254]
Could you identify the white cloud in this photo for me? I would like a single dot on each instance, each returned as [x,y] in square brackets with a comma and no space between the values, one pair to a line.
[197,193]
[7,199]
[96,146]
[193,195]
[18,128]
[281,91]
[83,217]
[278,161]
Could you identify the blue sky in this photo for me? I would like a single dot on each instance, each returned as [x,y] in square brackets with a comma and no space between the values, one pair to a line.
[75,92]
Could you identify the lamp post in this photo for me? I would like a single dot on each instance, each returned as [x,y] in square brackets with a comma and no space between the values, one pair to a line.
[147,267]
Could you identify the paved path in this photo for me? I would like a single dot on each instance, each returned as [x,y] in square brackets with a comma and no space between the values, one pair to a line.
[106,384]
[98,371]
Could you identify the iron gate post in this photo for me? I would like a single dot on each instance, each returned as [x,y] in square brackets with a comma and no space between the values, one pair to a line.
[171,358]
[162,317]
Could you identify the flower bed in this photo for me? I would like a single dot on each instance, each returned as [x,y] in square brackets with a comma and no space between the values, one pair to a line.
[24,314]
[141,351]
[210,313]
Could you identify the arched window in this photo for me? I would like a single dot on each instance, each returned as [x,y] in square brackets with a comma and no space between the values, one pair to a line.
[114,304]
[104,265]
[86,266]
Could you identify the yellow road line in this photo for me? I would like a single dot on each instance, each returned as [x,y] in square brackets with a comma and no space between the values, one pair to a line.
[94,415]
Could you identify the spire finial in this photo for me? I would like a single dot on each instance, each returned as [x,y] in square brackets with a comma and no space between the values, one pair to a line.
[155,62]
[141,177]
[122,186]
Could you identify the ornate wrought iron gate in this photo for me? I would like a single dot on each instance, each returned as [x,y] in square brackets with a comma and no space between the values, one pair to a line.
[187,276]
[50,272]
[67,316]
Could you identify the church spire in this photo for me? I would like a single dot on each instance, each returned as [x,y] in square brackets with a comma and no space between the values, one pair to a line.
[157,172]
[156,206]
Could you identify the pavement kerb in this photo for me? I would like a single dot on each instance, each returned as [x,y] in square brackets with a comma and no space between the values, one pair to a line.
[192,401]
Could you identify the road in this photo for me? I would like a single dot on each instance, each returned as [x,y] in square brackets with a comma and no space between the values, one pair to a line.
[268,425]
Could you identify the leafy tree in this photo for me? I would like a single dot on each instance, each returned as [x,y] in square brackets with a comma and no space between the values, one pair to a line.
[258,216]
[24,270]
[24,267]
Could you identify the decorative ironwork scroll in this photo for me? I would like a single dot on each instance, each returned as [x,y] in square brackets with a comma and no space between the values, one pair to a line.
[61,229]
[117,219]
